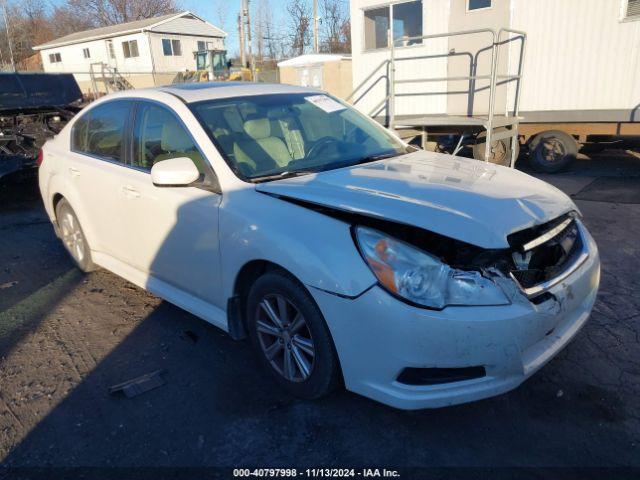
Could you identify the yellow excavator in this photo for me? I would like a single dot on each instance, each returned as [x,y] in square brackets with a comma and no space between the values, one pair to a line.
[212,65]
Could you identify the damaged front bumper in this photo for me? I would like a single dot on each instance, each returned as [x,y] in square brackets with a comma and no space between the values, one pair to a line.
[377,337]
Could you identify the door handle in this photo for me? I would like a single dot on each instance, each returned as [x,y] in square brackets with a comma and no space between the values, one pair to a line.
[130,192]
[74,172]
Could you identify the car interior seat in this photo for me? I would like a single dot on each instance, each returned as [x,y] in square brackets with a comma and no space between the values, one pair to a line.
[259,150]
[175,142]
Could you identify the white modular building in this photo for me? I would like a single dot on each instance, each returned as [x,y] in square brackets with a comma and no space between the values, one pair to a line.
[582,56]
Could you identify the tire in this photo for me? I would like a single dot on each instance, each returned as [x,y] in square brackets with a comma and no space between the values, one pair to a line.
[552,151]
[273,344]
[73,237]
[500,149]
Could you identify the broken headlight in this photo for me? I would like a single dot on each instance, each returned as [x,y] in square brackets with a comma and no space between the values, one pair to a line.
[421,278]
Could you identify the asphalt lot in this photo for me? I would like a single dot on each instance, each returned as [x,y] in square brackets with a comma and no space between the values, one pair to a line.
[65,338]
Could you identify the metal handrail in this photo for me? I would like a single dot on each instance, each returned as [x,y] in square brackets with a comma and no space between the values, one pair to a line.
[369,77]
[492,76]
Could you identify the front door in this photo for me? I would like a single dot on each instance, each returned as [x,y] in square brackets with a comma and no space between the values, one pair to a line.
[172,231]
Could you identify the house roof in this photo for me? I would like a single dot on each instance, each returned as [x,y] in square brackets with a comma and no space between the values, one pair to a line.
[120,29]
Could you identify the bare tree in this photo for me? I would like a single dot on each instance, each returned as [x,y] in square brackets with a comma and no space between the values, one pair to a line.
[111,12]
[300,22]
[221,10]
[336,28]
[29,26]
[65,21]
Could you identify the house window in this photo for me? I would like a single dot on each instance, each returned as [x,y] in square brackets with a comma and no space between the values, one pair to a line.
[86,53]
[478,4]
[55,58]
[171,47]
[407,22]
[130,49]
[110,49]
[633,9]
[202,46]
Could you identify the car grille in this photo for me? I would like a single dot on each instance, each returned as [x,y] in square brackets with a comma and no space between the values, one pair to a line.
[543,253]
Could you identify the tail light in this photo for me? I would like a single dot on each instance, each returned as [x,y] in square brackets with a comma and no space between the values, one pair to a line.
[40,157]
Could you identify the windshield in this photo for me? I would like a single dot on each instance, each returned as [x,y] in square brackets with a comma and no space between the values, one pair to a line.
[272,136]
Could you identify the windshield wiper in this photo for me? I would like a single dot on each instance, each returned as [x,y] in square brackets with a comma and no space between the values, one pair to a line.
[282,175]
[380,156]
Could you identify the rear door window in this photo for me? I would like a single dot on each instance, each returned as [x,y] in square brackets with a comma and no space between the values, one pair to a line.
[101,131]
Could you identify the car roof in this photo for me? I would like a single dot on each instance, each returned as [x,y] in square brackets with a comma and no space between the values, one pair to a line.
[196,92]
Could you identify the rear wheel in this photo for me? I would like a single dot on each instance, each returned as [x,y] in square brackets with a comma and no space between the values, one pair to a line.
[552,151]
[290,336]
[73,237]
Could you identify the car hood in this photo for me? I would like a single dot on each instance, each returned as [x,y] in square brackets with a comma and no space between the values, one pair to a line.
[464,199]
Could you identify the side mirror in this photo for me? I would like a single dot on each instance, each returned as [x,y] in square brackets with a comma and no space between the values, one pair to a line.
[174,172]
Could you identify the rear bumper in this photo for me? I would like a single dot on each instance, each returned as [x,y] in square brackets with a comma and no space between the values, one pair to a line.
[378,336]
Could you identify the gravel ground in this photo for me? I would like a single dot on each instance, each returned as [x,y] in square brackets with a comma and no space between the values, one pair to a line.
[66,337]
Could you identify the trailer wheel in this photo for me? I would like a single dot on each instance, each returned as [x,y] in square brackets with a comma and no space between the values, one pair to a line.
[500,149]
[552,151]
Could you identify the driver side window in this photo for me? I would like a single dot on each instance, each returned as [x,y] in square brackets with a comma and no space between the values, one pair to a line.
[160,136]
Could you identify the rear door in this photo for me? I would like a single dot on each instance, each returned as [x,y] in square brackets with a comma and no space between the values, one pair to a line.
[97,170]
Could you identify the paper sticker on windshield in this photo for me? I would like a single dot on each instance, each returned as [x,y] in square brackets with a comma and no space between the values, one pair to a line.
[327,104]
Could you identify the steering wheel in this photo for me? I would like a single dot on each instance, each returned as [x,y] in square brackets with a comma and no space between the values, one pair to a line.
[321,143]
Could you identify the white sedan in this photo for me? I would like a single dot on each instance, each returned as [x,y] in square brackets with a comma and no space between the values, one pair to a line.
[346,256]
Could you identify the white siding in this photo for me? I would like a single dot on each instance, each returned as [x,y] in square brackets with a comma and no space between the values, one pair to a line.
[73,60]
[435,20]
[580,55]
[183,62]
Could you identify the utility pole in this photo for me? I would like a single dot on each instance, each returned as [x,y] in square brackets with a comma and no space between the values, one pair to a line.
[252,64]
[243,53]
[316,43]
[6,23]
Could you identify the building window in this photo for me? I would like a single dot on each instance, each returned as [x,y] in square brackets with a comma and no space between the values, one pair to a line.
[632,9]
[55,58]
[478,4]
[172,47]
[110,49]
[376,24]
[130,49]
[86,53]
[407,22]
[202,46]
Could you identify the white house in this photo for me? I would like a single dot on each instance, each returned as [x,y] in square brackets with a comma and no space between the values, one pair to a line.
[581,55]
[145,52]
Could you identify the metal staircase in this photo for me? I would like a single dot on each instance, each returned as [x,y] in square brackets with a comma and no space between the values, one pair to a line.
[109,77]
[496,127]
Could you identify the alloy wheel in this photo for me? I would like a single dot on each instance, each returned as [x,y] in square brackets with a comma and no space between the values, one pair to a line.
[285,338]
[72,236]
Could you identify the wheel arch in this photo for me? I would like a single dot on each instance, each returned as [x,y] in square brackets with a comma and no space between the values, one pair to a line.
[244,279]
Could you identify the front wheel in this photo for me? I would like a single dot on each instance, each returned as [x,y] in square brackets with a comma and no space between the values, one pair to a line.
[291,337]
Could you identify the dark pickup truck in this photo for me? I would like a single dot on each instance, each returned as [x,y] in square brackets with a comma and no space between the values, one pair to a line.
[33,108]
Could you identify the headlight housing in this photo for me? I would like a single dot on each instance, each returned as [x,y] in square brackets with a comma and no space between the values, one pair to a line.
[420,278]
